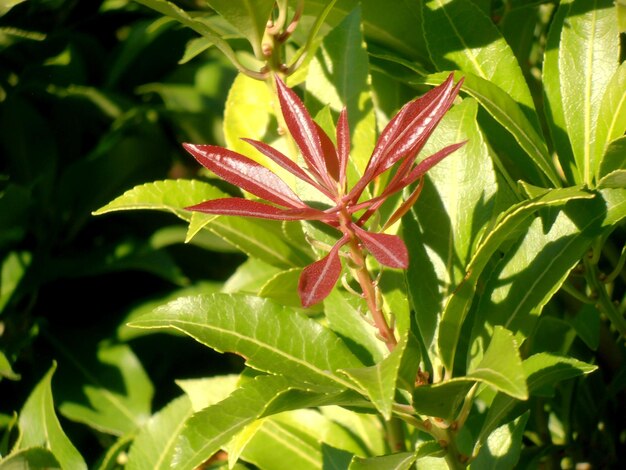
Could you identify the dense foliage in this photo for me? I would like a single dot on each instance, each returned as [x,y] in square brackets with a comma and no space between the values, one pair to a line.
[501,344]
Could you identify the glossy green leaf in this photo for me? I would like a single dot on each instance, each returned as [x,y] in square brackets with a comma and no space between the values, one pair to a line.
[503,446]
[197,24]
[508,225]
[586,323]
[611,116]
[543,371]
[441,400]
[338,77]
[447,219]
[208,391]
[247,114]
[258,238]
[249,17]
[168,195]
[206,431]
[111,392]
[379,381]
[399,461]
[393,28]
[270,337]
[153,447]
[588,58]
[530,272]
[552,90]
[346,316]
[299,439]
[250,277]
[501,366]
[461,37]
[6,371]
[510,115]
[367,428]
[615,157]
[283,288]
[12,271]
[40,426]
[32,458]
[614,180]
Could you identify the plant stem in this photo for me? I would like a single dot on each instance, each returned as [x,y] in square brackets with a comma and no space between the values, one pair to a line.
[604,302]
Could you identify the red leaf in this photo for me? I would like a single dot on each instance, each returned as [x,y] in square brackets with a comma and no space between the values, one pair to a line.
[286,163]
[247,208]
[343,146]
[303,131]
[318,279]
[422,167]
[245,173]
[388,250]
[330,154]
[408,131]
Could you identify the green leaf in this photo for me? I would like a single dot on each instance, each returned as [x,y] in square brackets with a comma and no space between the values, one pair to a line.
[399,461]
[250,277]
[552,89]
[302,439]
[393,28]
[247,114]
[461,37]
[32,458]
[543,371]
[271,338]
[40,426]
[208,391]
[614,180]
[531,271]
[586,323]
[588,58]
[153,447]
[197,24]
[12,271]
[447,220]
[501,366]
[367,428]
[258,238]
[6,371]
[208,430]
[111,392]
[503,446]
[441,400]
[249,17]
[611,116]
[283,288]
[508,225]
[379,381]
[345,315]
[168,195]
[510,115]
[338,77]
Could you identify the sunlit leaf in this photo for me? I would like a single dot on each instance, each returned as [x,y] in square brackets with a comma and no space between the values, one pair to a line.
[40,426]
[270,337]
[588,58]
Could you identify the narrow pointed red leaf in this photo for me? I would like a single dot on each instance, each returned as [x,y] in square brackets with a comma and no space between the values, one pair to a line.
[409,142]
[247,208]
[288,164]
[388,250]
[408,131]
[329,152]
[422,167]
[245,173]
[343,146]
[303,130]
[318,279]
